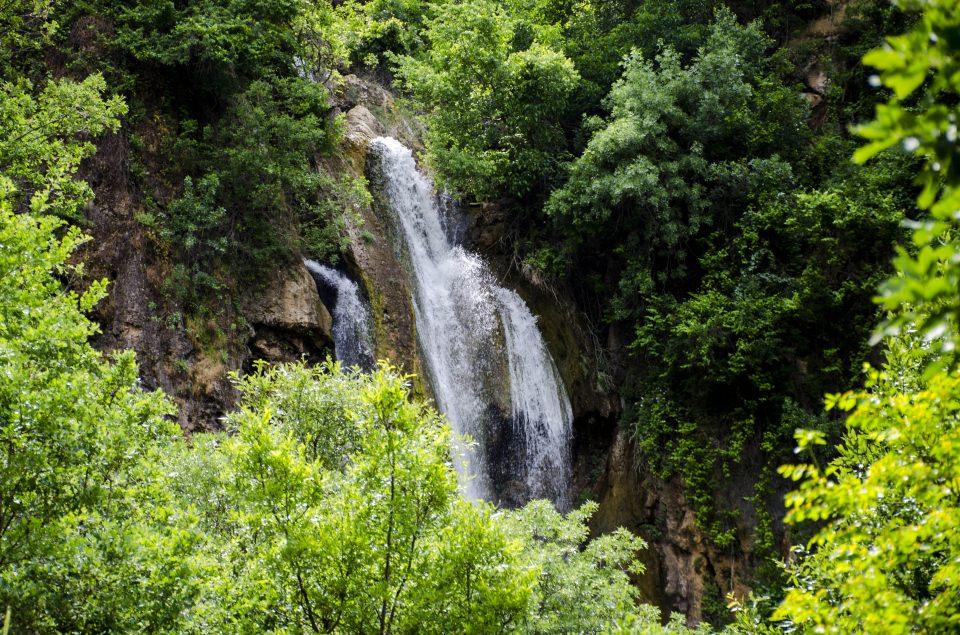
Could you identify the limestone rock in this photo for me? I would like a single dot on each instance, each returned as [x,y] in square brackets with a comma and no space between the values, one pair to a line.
[371,111]
[817,81]
[814,99]
[354,90]
[289,301]
[488,225]
[362,127]
[680,561]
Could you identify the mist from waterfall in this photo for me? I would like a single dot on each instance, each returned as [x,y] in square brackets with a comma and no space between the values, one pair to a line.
[351,320]
[490,370]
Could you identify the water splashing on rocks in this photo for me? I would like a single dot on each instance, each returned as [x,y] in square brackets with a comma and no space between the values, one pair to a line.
[351,320]
[490,370]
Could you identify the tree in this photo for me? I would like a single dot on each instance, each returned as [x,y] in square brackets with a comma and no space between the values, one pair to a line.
[885,556]
[924,294]
[334,507]
[581,585]
[44,135]
[494,98]
[80,443]
[680,150]
[664,192]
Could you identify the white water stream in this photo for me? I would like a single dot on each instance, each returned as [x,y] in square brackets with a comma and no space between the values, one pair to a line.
[490,370]
[351,320]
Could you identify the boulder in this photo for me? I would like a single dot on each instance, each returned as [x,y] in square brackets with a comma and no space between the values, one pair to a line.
[362,127]
[289,300]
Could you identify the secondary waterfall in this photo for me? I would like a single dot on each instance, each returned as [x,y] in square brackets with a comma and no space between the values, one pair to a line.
[490,370]
[351,320]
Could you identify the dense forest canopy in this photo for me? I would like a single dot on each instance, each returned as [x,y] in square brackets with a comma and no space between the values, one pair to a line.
[724,220]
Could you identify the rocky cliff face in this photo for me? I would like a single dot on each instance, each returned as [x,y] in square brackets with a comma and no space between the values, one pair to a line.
[681,566]
[369,111]
[282,317]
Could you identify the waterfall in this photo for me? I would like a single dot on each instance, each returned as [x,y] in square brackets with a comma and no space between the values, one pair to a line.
[539,404]
[490,370]
[351,320]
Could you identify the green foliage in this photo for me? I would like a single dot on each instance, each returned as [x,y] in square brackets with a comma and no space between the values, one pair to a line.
[578,588]
[260,152]
[379,29]
[598,36]
[192,221]
[494,99]
[45,134]
[334,507]
[743,252]
[367,535]
[588,42]
[795,262]
[261,199]
[688,186]
[81,445]
[884,557]
[220,43]
[80,511]
[925,293]
[679,140]
[26,26]
[243,115]
[323,228]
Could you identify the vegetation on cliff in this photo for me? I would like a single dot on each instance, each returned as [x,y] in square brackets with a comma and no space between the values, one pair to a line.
[658,152]
[706,213]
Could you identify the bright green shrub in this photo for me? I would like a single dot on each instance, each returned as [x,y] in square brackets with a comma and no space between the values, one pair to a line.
[42,139]
[81,507]
[884,557]
[334,506]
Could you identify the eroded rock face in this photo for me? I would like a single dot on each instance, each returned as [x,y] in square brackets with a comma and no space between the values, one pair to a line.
[680,562]
[287,317]
[189,357]
[289,300]
[362,128]
[118,252]
[372,259]
[370,111]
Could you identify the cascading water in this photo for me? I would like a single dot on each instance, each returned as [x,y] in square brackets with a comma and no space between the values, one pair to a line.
[539,404]
[351,320]
[482,348]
